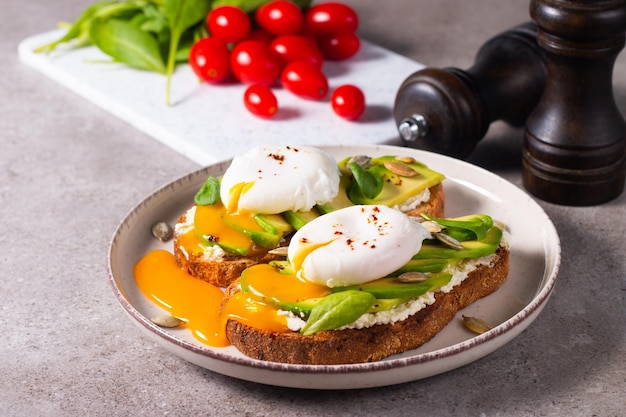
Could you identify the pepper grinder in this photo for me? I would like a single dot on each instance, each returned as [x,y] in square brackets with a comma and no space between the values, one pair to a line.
[449,110]
[575,139]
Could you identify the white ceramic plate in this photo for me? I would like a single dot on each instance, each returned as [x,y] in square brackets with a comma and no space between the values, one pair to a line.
[535,258]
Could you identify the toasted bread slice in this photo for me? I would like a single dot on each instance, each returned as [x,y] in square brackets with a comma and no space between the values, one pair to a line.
[434,206]
[374,343]
[221,268]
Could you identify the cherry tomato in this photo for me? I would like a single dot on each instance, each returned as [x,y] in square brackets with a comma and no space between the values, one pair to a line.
[260,100]
[229,23]
[339,46]
[260,35]
[279,17]
[305,80]
[252,62]
[348,101]
[209,58]
[290,48]
[328,18]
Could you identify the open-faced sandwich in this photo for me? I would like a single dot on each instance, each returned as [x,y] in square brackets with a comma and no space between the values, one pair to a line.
[322,262]
[362,283]
[265,195]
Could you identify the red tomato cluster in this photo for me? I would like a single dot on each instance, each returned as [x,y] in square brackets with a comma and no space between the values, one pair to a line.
[284,44]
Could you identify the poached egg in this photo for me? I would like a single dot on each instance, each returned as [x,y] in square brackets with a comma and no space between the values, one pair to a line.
[274,179]
[355,245]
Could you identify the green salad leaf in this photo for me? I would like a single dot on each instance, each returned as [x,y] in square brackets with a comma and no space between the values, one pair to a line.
[370,184]
[182,15]
[128,44]
[209,193]
[336,310]
[152,35]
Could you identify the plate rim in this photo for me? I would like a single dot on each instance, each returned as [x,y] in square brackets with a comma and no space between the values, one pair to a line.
[534,307]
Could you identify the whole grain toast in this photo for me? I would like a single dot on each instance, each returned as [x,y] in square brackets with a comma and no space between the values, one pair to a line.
[227,268]
[371,343]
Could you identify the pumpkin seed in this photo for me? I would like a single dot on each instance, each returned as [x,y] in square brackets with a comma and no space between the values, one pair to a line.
[162,231]
[412,276]
[166,321]
[363,161]
[448,241]
[400,169]
[432,227]
[280,251]
[405,159]
[476,325]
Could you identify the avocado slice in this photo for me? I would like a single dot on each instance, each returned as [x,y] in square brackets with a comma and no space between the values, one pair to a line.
[283,267]
[227,246]
[264,239]
[297,219]
[303,308]
[385,304]
[271,229]
[273,223]
[389,293]
[422,265]
[471,248]
[386,288]
[396,188]
[473,226]
[260,237]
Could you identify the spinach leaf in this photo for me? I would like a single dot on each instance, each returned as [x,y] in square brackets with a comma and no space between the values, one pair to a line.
[128,44]
[337,309]
[77,28]
[209,193]
[370,183]
[81,28]
[154,21]
[181,15]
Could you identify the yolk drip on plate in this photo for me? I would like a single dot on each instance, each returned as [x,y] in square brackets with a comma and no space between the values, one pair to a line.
[195,302]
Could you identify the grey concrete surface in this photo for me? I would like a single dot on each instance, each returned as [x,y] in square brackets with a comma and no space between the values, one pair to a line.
[69,172]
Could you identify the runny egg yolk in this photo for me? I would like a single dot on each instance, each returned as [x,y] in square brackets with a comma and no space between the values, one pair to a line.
[195,302]
[306,249]
[235,194]
[215,224]
[265,282]
[264,289]
[253,312]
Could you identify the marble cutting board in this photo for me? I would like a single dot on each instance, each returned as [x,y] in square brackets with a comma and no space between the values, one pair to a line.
[209,123]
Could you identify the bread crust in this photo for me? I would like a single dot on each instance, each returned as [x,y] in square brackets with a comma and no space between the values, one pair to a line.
[222,272]
[434,206]
[372,343]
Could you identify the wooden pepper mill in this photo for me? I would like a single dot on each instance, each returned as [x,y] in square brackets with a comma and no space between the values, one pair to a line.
[449,110]
[575,139]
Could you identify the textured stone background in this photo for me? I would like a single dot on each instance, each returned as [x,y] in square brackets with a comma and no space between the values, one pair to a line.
[69,172]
